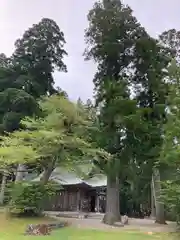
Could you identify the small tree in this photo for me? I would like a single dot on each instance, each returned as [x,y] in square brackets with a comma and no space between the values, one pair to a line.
[60,136]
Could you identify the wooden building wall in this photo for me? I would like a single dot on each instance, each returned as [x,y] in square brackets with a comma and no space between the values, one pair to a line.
[70,199]
[67,199]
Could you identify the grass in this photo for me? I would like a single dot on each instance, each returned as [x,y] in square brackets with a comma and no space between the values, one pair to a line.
[13,229]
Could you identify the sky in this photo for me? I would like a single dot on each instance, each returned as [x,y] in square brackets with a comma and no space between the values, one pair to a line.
[71,15]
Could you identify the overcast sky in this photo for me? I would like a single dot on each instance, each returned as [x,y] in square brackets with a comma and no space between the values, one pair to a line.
[18,15]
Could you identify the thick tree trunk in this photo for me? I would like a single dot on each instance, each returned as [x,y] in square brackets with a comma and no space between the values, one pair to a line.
[47,173]
[112,213]
[3,187]
[20,172]
[160,215]
[153,209]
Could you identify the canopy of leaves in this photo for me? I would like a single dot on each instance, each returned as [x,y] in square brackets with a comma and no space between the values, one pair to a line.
[171,148]
[39,52]
[170,154]
[15,104]
[27,74]
[111,38]
[61,134]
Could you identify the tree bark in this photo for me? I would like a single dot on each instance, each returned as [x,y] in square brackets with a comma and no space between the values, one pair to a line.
[112,213]
[20,172]
[3,187]
[160,215]
[47,173]
[153,209]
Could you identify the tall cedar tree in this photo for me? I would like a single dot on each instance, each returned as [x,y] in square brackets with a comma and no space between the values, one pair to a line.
[39,53]
[110,39]
[171,151]
[151,90]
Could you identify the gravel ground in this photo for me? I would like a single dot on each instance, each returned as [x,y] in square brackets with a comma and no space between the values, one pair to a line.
[145,225]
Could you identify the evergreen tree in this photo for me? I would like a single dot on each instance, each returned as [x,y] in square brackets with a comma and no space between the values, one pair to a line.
[39,53]
[151,90]
[170,153]
[171,41]
[110,39]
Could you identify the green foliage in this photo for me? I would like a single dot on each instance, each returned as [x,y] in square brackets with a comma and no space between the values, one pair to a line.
[171,197]
[111,33]
[15,104]
[171,41]
[27,74]
[171,151]
[13,154]
[29,198]
[60,136]
[151,92]
[39,53]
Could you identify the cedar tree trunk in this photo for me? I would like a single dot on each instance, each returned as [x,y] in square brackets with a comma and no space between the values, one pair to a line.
[112,213]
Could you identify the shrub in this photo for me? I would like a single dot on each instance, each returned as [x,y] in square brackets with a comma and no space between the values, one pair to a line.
[171,197]
[27,199]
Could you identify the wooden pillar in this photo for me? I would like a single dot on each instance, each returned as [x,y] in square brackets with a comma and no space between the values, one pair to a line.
[66,201]
[97,203]
[78,200]
[3,186]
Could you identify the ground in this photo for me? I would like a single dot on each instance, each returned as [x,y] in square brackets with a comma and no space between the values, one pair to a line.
[94,221]
[142,225]
[14,229]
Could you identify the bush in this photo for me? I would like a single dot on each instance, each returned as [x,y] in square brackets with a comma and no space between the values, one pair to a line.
[171,197]
[27,199]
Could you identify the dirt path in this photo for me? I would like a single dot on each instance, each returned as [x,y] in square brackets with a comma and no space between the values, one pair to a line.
[145,225]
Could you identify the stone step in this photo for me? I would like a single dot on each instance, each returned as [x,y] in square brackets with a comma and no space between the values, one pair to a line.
[95,216]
